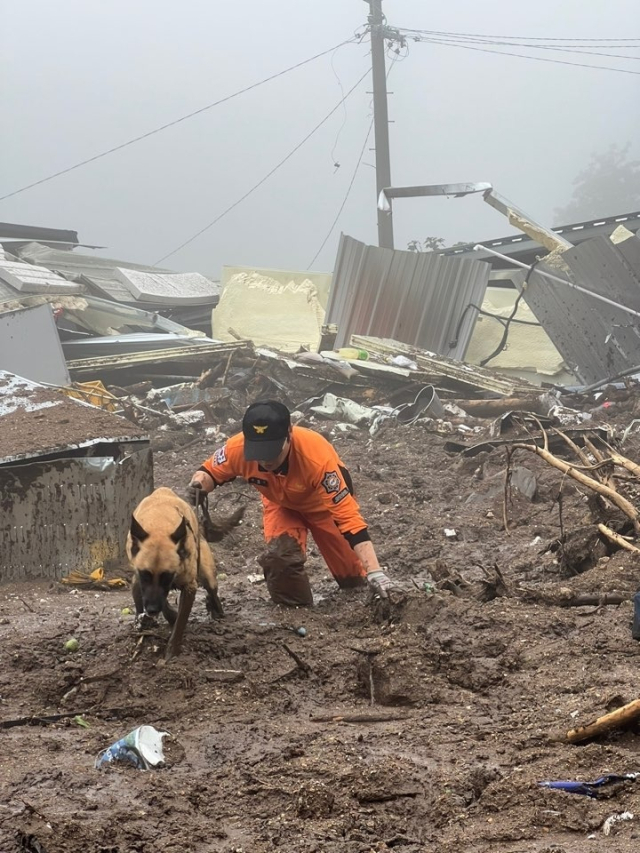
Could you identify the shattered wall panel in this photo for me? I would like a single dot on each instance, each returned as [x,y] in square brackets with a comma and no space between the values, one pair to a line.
[418,298]
[596,340]
[68,514]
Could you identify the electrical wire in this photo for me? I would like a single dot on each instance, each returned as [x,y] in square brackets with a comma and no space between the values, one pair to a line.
[344,114]
[353,176]
[524,56]
[526,38]
[345,199]
[268,175]
[174,122]
[556,48]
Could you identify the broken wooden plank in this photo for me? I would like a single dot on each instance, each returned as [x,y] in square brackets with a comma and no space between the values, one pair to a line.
[620,718]
[193,352]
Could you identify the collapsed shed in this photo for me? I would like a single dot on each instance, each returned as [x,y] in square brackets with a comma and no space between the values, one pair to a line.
[70,476]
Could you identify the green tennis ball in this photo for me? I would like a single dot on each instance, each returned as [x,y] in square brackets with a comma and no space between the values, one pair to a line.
[72,645]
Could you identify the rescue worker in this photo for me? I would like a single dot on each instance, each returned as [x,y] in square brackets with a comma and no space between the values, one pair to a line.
[305,488]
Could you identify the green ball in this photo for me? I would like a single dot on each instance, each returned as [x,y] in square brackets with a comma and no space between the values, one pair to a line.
[72,645]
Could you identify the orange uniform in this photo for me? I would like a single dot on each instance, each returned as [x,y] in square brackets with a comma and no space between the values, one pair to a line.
[311,491]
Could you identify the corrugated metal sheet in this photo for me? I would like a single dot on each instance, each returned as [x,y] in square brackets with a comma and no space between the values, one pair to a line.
[68,514]
[413,297]
[595,339]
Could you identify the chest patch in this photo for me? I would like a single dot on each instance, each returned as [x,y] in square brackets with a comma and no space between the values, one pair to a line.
[257,481]
[331,482]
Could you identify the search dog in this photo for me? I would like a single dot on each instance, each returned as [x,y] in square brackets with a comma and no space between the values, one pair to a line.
[167,550]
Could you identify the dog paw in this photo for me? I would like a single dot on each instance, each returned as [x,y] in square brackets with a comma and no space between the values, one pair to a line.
[145,622]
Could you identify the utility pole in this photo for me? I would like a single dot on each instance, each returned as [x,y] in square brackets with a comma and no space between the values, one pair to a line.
[378,30]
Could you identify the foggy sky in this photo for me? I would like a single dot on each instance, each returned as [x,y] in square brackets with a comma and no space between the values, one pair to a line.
[79,77]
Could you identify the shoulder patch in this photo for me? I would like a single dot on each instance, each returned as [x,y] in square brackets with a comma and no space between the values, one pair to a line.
[331,482]
[220,456]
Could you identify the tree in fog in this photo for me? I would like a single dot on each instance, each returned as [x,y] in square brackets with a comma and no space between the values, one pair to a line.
[610,184]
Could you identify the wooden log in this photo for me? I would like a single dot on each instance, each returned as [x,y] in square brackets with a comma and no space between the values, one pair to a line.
[495,408]
[617,719]
[617,539]
[614,497]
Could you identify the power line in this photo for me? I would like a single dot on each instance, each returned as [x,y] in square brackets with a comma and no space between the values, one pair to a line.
[175,121]
[524,56]
[346,197]
[526,38]
[353,177]
[571,49]
[268,175]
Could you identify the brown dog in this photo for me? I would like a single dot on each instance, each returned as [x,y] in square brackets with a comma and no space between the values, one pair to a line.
[167,551]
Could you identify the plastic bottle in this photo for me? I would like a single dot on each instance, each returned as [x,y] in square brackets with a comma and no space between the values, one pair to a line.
[635,630]
[354,353]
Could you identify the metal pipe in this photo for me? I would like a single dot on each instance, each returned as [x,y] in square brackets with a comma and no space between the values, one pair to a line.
[479,247]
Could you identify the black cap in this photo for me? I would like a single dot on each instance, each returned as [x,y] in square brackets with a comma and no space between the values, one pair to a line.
[265,427]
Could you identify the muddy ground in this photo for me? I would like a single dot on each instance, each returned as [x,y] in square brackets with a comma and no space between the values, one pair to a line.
[475,692]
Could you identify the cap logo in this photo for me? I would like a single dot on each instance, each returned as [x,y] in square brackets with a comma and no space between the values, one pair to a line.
[260,429]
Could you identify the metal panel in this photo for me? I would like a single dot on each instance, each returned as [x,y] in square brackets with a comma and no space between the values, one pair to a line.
[595,339]
[68,514]
[34,232]
[413,297]
[518,244]
[30,345]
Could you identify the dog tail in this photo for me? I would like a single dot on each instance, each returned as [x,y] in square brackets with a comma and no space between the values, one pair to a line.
[214,530]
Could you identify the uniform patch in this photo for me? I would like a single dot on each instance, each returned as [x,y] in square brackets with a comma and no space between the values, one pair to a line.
[257,481]
[340,496]
[220,456]
[331,482]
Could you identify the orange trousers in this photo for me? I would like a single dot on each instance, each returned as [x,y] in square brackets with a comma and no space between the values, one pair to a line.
[341,559]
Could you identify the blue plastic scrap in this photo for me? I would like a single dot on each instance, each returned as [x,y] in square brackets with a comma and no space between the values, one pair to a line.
[589,789]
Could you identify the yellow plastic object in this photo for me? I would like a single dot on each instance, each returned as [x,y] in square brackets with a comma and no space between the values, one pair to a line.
[94,393]
[96,579]
[354,353]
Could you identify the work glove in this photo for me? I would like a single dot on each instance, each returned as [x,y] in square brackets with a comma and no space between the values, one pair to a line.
[380,583]
[195,494]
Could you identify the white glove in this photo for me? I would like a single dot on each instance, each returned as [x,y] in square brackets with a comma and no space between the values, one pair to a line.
[380,582]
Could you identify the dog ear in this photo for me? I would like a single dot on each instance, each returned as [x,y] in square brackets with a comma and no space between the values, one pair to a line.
[137,531]
[138,535]
[180,532]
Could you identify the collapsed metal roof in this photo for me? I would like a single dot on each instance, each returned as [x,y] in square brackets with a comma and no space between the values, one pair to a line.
[598,340]
[524,248]
[419,298]
[36,421]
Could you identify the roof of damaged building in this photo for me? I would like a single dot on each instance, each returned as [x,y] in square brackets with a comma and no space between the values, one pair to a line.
[36,421]
[124,281]
[525,249]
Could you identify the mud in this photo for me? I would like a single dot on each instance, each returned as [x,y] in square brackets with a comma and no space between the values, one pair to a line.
[471,683]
